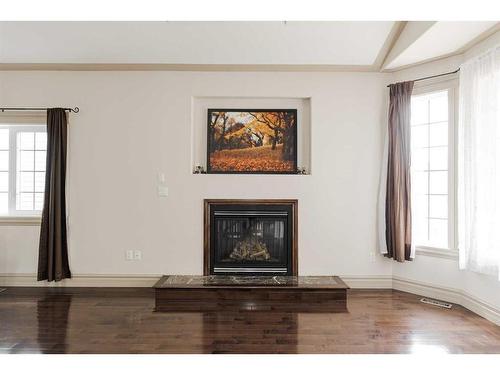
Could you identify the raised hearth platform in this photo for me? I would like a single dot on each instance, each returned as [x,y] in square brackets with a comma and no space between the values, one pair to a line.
[281,293]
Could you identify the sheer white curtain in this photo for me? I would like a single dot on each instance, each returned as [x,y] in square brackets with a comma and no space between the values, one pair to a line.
[479,164]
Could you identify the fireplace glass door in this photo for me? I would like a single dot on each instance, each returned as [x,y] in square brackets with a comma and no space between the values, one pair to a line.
[254,242]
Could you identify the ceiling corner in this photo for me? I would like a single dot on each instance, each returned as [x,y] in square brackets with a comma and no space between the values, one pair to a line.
[388,45]
[412,31]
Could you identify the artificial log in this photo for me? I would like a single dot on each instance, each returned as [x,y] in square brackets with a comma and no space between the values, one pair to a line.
[250,249]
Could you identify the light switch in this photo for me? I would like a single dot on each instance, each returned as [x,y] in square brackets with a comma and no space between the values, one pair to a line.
[162,191]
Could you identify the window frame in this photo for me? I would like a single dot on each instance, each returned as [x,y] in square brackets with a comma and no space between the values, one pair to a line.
[451,86]
[26,122]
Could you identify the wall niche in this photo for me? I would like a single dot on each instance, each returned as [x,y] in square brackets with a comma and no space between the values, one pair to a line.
[200,132]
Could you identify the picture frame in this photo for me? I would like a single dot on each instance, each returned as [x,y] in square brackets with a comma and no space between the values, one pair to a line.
[251,141]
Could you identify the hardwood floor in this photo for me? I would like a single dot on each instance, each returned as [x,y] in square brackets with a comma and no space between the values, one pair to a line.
[92,320]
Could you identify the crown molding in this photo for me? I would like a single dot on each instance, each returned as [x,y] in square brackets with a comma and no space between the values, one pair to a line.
[423,62]
[188,67]
[480,38]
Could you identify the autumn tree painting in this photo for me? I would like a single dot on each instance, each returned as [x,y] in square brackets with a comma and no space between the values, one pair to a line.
[252,141]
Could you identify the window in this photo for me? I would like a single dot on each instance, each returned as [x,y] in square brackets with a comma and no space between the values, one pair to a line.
[431,169]
[22,169]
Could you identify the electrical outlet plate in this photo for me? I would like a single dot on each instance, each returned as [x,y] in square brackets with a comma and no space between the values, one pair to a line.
[129,255]
[137,255]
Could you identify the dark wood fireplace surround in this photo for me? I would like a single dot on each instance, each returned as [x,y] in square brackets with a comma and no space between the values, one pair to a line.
[290,292]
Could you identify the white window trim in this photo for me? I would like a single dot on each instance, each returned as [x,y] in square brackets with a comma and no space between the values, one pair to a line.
[26,121]
[425,87]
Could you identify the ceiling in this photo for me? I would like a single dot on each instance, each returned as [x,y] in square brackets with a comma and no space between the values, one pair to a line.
[352,45]
[423,41]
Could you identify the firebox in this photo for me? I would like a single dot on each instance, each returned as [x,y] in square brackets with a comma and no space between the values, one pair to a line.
[250,237]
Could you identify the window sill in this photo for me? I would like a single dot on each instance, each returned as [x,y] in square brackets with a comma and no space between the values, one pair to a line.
[437,253]
[20,220]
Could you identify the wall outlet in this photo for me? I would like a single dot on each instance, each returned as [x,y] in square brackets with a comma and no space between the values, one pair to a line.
[137,255]
[372,257]
[129,255]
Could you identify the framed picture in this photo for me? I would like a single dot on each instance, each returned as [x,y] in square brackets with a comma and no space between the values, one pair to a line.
[252,141]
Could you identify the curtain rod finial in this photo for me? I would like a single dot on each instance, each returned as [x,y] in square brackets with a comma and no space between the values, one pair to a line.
[75,110]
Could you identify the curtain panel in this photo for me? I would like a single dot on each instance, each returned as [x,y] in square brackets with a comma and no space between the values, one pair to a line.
[53,262]
[394,210]
[479,164]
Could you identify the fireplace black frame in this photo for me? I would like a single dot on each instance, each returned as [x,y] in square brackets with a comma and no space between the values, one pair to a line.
[288,205]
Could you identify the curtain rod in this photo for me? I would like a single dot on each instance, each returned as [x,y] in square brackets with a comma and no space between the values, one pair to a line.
[435,76]
[74,110]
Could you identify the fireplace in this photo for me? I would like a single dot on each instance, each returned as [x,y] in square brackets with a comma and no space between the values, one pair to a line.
[250,237]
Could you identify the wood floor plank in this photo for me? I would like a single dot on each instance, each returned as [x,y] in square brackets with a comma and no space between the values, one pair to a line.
[122,320]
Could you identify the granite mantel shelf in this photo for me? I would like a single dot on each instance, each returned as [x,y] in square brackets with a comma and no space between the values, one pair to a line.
[283,293]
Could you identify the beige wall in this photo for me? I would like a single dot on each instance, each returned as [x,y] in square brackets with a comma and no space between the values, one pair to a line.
[133,125]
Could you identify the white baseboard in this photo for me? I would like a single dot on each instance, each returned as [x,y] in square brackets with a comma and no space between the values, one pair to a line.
[100,280]
[82,280]
[451,295]
[446,294]
[427,290]
[368,282]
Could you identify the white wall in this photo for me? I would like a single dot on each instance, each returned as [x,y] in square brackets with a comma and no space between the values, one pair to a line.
[442,272]
[133,125]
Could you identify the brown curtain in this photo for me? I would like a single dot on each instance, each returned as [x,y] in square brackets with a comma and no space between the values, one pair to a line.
[398,196]
[53,262]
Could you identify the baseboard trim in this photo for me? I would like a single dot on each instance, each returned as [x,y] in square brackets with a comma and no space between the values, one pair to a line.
[427,290]
[132,280]
[451,295]
[81,280]
[368,282]
[446,294]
